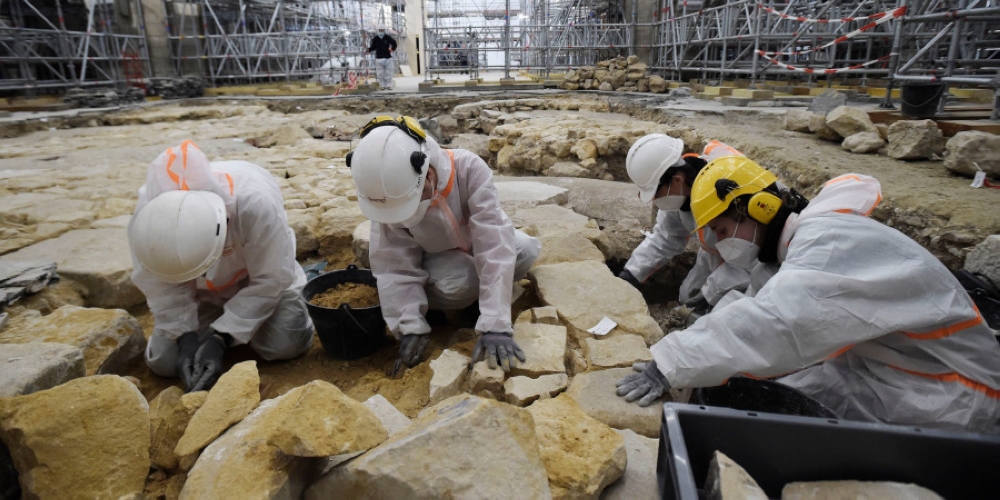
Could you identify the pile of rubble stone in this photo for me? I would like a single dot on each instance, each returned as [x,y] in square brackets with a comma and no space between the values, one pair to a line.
[621,74]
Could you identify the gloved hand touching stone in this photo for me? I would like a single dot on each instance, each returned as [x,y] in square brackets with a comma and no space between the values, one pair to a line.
[411,348]
[648,384]
[499,349]
[208,361]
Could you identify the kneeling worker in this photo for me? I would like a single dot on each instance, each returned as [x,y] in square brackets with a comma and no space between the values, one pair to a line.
[864,319]
[439,239]
[213,253]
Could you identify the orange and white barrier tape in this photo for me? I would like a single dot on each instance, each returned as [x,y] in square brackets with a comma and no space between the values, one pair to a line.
[828,71]
[893,15]
[881,15]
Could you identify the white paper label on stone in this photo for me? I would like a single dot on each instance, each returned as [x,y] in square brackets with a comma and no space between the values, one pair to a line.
[603,326]
[977,181]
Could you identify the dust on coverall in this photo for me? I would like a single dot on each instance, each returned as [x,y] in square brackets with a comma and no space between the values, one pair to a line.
[465,248]
[252,292]
[879,328]
[710,274]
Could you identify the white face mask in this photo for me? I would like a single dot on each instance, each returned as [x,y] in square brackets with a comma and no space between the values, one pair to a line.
[418,216]
[669,202]
[739,252]
[381,34]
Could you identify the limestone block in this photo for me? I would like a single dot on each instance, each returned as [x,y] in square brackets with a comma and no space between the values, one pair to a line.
[818,126]
[644,85]
[595,393]
[392,419]
[657,84]
[614,352]
[602,75]
[544,347]
[87,438]
[449,370]
[528,194]
[484,378]
[883,131]
[109,338]
[361,240]
[585,292]
[477,143]
[288,134]
[620,238]
[100,262]
[680,92]
[915,140]
[33,208]
[547,315]
[322,421]
[572,76]
[241,463]
[586,73]
[797,120]
[755,94]
[985,258]
[522,391]
[566,169]
[829,490]
[605,86]
[617,78]
[572,248]
[459,440]
[37,366]
[727,480]
[581,455]
[304,224]
[571,86]
[639,480]
[584,149]
[847,121]
[826,102]
[553,220]
[863,143]
[232,398]
[336,231]
[169,414]
[970,148]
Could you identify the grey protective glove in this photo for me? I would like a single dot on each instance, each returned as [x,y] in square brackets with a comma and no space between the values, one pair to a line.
[187,345]
[208,362]
[499,349]
[411,348]
[649,384]
[627,276]
[698,304]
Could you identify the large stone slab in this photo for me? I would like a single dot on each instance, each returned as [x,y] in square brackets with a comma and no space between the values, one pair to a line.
[818,126]
[544,347]
[522,391]
[572,248]
[33,208]
[37,366]
[169,415]
[361,240]
[985,258]
[615,352]
[848,120]
[450,369]
[863,143]
[552,220]
[336,232]
[18,279]
[110,339]
[581,455]
[465,447]
[305,224]
[232,398]
[971,149]
[830,490]
[97,259]
[727,480]
[392,419]
[797,120]
[528,194]
[584,292]
[595,393]
[915,140]
[639,480]
[88,438]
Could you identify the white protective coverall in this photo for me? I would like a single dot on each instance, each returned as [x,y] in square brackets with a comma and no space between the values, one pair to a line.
[253,292]
[464,248]
[884,331]
[710,274]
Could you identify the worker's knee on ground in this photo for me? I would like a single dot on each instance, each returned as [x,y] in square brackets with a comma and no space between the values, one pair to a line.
[161,355]
[452,280]
[528,249]
[287,333]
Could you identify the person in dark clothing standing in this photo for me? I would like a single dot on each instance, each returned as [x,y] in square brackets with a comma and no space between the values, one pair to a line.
[383,45]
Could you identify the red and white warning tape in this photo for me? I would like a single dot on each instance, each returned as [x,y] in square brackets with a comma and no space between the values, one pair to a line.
[881,15]
[883,19]
[828,71]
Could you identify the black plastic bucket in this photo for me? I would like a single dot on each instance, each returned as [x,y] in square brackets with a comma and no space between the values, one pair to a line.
[345,332]
[920,99]
[761,395]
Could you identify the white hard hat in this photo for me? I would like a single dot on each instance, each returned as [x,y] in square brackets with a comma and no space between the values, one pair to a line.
[389,168]
[179,235]
[381,27]
[649,158]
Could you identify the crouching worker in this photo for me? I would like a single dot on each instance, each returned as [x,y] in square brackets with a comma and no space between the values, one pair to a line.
[859,316]
[664,177]
[213,253]
[439,238]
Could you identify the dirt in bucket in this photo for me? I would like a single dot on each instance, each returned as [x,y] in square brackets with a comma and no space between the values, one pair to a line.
[355,295]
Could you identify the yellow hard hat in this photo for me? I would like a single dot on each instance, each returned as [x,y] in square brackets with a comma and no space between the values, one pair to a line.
[725,179]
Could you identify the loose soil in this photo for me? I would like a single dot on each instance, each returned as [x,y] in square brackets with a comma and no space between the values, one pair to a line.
[356,295]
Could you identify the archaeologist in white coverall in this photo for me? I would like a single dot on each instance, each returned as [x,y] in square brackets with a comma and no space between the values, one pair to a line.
[213,253]
[439,239]
[664,176]
[383,45]
[859,316]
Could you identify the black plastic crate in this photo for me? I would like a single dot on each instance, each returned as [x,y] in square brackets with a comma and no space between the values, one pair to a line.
[780,449]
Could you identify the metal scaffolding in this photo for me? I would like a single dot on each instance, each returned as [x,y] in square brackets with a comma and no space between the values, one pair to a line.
[246,41]
[58,44]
